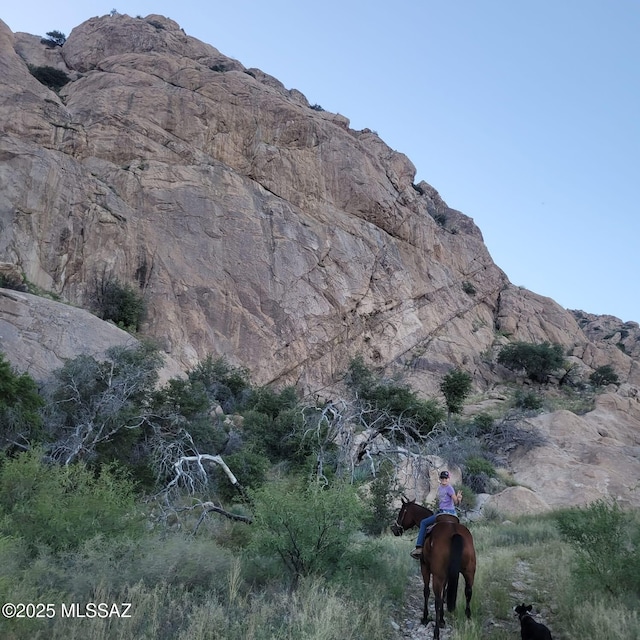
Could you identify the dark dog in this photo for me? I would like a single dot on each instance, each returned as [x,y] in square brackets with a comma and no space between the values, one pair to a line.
[529,628]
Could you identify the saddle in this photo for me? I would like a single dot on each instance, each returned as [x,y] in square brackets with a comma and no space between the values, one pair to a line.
[446,517]
[442,517]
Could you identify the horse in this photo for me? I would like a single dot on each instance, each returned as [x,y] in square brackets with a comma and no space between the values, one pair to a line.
[447,552]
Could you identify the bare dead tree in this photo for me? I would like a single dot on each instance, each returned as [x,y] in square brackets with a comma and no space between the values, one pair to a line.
[89,402]
[349,433]
[189,475]
[189,472]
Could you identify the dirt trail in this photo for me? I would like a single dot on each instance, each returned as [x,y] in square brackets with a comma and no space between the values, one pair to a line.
[407,623]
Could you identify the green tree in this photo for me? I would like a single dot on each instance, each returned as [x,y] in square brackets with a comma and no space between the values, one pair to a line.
[308,527]
[56,38]
[120,303]
[99,407]
[223,383]
[455,386]
[181,412]
[393,399]
[19,406]
[49,76]
[381,495]
[538,361]
[604,375]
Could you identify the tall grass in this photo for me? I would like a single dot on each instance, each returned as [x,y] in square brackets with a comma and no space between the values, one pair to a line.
[530,561]
[182,587]
[186,588]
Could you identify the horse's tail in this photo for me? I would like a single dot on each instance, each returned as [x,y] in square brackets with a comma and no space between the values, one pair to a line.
[455,560]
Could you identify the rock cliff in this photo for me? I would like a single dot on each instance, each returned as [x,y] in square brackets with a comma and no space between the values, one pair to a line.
[255,225]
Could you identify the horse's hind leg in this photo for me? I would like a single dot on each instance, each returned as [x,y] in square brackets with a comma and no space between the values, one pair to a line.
[425,614]
[468,591]
[438,595]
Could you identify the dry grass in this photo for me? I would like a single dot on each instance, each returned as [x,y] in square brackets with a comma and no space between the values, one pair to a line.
[219,597]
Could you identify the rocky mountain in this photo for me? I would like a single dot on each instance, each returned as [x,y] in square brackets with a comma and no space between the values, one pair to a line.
[255,225]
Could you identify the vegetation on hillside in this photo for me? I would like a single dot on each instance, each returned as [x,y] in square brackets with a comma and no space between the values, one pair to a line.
[538,361]
[211,503]
[50,76]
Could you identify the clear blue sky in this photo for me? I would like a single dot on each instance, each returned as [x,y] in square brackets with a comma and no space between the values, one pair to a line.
[525,116]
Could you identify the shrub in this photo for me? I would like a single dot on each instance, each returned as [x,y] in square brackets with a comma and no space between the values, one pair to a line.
[307,527]
[455,386]
[61,506]
[603,376]
[183,405]
[606,540]
[96,409]
[483,423]
[19,405]
[538,361]
[49,76]
[120,303]
[55,39]
[398,401]
[224,384]
[381,510]
[14,281]
[527,400]
[440,218]
[468,288]
[477,474]
[249,467]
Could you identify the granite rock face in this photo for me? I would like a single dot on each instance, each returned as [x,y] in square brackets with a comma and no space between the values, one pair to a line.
[255,226]
[37,335]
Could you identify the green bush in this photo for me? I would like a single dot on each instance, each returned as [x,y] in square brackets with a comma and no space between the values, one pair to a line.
[274,423]
[477,473]
[224,384]
[538,361]
[603,376]
[249,467]
[19,406]
[183,405]
[480,465]
[120,303]
[380,504]
[483,423]
[455,386]
[49,76]
[62,506]
[95,410]
[55,39]
[606,540]
[13,281]
[468,288]
[527,400]
[398,401]
[307,527]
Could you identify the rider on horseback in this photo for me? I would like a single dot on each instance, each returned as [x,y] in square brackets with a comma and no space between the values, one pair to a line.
[447,499]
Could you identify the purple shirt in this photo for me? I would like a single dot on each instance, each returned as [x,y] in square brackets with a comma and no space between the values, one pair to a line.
[445,497]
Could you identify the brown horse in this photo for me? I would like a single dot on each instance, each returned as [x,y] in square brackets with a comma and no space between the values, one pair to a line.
[447,552]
